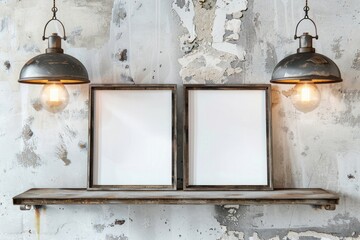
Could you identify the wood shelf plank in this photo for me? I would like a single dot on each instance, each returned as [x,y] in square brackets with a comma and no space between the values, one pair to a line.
[51,196]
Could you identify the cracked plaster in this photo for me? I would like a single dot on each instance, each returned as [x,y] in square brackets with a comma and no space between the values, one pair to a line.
[190,41]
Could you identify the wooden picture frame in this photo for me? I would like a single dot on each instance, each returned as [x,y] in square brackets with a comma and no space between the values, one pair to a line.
[227,137]
[132,137]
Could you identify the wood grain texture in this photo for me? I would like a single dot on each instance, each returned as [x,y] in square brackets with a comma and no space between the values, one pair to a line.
[47,196]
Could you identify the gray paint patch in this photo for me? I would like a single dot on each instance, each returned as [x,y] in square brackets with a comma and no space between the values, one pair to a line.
[112,237]
[308,238]
[99,227]
[36,104]
[7,65]
[28,158]
[226,36]
[62,154]
[257,22]
[76,33]
[70,132]
[76,93]
[31,48]
[350,98]
[336,48]
[180,3]
[27,133]
[4,24]
[119,13]
[271,58]
[74,114]
[356,62]
[126,78]
[343,225]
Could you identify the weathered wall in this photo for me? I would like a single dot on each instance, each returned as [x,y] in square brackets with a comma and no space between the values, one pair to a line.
[180,41]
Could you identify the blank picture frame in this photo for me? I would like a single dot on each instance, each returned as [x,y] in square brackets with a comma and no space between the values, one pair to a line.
[132,136]
[227,137]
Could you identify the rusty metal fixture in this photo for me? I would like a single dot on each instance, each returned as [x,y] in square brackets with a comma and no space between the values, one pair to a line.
[54,65]
[25,207]
[306,66]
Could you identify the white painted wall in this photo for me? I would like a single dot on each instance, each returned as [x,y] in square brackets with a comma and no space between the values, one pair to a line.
[174,42]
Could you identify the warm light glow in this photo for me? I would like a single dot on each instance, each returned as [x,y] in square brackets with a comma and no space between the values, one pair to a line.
[54,97]
[305,94]
[54,94]
[306,97]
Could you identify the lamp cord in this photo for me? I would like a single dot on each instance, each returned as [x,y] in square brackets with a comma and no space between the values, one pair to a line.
[54,9]
[306,17]
[306,9]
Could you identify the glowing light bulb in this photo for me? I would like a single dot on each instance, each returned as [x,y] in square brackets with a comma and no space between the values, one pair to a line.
[305,97]
[54,97]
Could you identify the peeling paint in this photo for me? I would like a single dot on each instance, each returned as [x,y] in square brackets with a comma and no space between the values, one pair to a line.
[121,55]
[350,176]
[208,4]
[119,222]
[205,62]
[187,45]
[189,41]
[223,8]
[186,14]
[242,221]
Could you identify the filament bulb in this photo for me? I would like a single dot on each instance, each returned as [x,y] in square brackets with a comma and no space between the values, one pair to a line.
[54,97]
[306,97]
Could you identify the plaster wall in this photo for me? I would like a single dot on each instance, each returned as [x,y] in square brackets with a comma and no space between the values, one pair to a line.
[180,41]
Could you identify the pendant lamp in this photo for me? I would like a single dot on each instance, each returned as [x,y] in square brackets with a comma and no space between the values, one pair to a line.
[306,68]
[54,69]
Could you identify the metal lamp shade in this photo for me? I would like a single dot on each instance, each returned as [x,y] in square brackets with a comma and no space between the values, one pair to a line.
[58,67]
[306,67]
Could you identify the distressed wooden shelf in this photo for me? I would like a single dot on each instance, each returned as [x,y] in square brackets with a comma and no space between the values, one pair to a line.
[50,196]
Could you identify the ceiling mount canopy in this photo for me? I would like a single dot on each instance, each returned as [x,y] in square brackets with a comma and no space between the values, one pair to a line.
[54,66]
[306,66]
